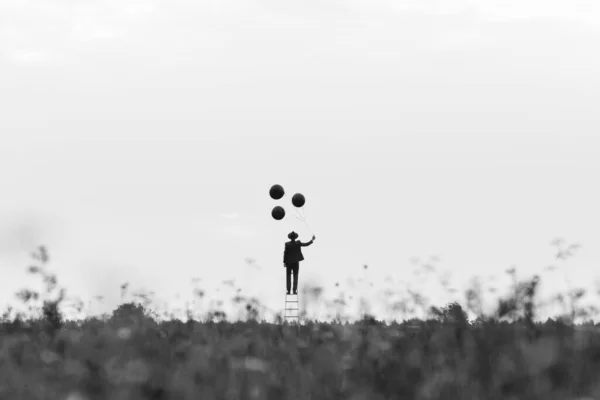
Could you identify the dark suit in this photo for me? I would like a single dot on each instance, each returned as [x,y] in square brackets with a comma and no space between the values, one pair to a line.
[292,255]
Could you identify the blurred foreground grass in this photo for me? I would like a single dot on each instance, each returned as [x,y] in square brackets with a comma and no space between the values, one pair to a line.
[132,355]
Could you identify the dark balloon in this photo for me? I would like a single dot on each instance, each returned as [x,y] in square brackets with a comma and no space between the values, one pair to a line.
[298,200]
[276,192]
[278,213]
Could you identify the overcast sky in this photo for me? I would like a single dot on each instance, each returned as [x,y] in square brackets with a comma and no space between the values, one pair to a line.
[139,140]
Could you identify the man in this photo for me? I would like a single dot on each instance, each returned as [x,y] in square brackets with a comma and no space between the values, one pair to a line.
[292,255]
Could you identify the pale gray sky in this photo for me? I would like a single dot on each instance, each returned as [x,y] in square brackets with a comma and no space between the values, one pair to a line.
[139,139]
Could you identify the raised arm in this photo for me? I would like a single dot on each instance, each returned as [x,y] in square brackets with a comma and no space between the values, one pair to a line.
[308,243]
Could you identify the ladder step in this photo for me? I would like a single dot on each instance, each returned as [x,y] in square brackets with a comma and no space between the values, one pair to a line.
[291,300]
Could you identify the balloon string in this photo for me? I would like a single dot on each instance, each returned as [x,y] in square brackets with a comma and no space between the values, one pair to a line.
[306,222]
[303,219]
[308,226]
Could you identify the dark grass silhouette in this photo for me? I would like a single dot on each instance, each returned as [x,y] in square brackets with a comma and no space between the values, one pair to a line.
[132,354]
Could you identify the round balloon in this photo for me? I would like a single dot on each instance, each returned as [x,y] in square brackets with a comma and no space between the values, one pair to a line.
[276,192]
[298,200]
[278,213]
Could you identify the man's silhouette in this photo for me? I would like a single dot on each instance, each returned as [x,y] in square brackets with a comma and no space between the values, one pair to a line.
[292,255]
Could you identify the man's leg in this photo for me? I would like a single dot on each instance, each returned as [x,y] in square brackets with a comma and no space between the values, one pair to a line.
[288,272]
[296,270]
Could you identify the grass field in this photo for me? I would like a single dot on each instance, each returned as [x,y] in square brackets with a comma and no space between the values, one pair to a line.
[132,355]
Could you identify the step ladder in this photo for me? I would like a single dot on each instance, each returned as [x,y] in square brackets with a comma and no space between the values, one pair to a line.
[292,308]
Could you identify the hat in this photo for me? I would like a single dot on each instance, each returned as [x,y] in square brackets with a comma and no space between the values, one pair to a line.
[293,235]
